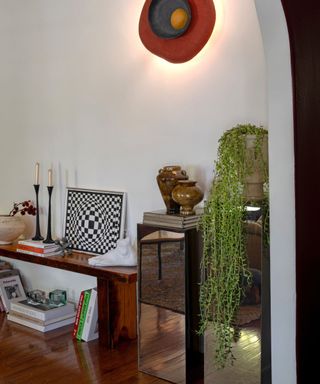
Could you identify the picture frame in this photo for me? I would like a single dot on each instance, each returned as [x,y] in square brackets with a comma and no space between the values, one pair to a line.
[94,219]
[11,289]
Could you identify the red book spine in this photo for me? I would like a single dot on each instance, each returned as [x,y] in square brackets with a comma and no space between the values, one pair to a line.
[76,322]
[30,248]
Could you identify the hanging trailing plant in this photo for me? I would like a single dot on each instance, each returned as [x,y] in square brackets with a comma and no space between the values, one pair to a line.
[224,262]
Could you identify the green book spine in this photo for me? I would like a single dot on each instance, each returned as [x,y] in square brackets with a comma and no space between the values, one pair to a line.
[83,314]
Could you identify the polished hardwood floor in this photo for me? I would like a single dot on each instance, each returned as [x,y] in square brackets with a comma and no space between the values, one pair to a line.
[31,357]
[162,343]
[162,348]
[246,369]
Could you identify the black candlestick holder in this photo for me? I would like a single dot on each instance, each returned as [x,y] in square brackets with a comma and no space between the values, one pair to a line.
[37,236]
[49,239]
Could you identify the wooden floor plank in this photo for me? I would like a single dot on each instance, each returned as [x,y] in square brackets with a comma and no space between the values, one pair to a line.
[31,357]
[246,369]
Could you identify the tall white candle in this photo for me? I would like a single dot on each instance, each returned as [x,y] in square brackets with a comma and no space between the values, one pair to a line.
[49,177]
[36,179]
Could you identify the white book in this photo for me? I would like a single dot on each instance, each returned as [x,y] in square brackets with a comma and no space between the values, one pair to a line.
[42,311]
[37,244]
[39,327]
[90,328]
[11,290]
[53,253]
[41,322]
[37,249]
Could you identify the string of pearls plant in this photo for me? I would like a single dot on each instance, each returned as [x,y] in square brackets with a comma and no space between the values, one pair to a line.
[224,262]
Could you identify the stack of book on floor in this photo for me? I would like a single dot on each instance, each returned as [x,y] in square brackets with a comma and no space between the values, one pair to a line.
[11,288]
[42,317]
[162,219]
[86,323]
[38,248]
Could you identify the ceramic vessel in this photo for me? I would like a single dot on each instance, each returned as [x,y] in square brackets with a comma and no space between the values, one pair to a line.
[167,179]
[11,227]
[188,195]
[253,183]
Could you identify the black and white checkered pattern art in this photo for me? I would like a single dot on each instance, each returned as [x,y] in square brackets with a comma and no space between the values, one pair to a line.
[94,219]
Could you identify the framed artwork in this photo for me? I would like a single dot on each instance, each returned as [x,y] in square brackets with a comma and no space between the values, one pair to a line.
[94,219]
[11,289]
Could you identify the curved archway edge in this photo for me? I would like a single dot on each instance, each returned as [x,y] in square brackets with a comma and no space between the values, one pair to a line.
[303,30]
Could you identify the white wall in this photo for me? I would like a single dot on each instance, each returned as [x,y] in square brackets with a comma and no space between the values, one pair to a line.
[280,122]
[79,92]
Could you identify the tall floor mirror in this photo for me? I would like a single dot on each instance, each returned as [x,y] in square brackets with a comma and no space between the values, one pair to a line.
[169,345]
[168,314]
[251,348]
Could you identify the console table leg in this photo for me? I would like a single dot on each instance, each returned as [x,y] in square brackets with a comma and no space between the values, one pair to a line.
[124,311]
[104,312]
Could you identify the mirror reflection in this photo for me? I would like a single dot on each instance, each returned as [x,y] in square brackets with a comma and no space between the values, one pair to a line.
[247,343]
[162,305]
[169,278]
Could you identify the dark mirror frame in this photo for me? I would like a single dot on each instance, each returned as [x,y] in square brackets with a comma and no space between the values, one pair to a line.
[303,21]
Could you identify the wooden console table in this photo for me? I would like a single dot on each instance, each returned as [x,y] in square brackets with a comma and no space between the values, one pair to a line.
[116,286]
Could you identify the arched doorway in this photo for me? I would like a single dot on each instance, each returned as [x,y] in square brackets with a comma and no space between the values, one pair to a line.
[303,30]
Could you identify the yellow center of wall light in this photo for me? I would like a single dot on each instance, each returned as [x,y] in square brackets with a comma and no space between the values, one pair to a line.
[179,18]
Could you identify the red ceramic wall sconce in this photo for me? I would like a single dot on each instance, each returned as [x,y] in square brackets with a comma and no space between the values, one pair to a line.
[176,30]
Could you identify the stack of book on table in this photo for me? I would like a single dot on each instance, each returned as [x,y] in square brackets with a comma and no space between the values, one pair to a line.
[38,248]
[162,219]
[86,323]
[42,317]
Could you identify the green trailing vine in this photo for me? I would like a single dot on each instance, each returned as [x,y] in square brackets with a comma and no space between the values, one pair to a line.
[224,262]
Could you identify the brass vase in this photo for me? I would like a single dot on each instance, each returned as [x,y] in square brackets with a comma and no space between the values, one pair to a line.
[167,180]
[188,195]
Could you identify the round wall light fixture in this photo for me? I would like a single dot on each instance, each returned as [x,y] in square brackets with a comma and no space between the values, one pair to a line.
[176,30]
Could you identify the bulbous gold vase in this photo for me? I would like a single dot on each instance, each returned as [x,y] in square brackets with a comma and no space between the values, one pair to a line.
[188,195]
[167,180]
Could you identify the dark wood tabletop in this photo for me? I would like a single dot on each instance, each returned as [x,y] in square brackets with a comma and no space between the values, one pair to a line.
[74,262]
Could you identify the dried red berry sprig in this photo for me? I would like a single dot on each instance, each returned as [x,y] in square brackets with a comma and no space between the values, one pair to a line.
[24,207]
